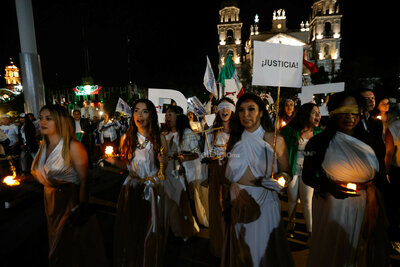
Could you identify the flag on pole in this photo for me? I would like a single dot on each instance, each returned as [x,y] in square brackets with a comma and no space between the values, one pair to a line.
[123,107]
[229,72]
[209,80]
[310,66]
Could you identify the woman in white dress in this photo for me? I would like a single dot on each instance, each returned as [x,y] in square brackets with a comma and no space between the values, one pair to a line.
[183,177]
[61,166]
[214,169]
[348,224]
[256,237]
[139,220]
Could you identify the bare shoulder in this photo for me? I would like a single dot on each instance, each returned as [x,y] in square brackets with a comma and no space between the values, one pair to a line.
[77,149]
[269,138]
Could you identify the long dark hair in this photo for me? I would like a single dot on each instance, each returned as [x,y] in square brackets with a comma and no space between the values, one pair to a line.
[218,121]
[375,112]
[237,128]
[182,123]
[302,117]
[128,146]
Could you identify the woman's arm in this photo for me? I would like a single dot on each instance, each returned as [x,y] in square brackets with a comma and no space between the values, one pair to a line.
[282,157]
[80,163]
[390,148]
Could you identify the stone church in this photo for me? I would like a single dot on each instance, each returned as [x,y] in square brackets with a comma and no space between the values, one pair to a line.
[320,36]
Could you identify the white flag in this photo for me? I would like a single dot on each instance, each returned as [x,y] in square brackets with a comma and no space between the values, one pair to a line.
[123,107]
[209,80]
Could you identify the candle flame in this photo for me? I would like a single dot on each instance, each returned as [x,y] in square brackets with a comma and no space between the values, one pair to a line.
[283,123]
[281,181]
[379,117]
[11,181]
[109,150]
[352,187]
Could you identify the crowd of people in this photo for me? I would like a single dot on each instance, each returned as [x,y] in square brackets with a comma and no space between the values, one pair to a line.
[227,176]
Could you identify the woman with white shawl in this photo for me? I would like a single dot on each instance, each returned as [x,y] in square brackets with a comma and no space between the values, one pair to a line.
[343,164]
[255,236]
[183,177]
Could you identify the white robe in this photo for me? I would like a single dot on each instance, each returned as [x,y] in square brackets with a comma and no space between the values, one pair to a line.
[253,152]
[337,223]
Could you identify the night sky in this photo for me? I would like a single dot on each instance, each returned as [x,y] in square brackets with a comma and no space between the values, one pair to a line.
[168,41]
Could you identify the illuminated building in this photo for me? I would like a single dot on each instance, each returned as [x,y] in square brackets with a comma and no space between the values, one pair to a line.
[230,34]
[12,77]
[320,37]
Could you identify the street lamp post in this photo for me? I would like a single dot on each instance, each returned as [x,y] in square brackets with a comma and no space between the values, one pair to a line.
[32,80]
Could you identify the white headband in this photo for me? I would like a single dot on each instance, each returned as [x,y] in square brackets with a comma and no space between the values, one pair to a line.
[226,105]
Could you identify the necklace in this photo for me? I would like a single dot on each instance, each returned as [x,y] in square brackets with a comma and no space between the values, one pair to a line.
[142,145]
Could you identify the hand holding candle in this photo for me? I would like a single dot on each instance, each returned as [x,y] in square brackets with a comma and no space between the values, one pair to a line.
[281,181]
[351,186]
[109,152]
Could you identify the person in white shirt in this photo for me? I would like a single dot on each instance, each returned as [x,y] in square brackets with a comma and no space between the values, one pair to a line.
[108,132]
[11,131]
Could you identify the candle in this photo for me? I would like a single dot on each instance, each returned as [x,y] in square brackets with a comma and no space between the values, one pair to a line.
[379,117]
[10,181]
[352,186]
[283,123]
[281,181]
[109,151]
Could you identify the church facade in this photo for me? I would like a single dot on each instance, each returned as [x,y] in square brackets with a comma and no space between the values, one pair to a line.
[320,36]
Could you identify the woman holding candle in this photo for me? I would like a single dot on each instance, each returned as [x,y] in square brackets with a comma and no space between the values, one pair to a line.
[380,113]
[286,114]
[139,219]
[215,158]
[195,125]
[297,133]
[348,224]
[256,236]
[61,166]
[108,132]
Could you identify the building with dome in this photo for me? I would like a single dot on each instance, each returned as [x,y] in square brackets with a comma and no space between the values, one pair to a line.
[320,36]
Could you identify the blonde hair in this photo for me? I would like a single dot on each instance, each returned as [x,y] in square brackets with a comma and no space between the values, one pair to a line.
[64,127]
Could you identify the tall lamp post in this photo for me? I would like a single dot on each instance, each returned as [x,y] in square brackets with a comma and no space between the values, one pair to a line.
[32,80]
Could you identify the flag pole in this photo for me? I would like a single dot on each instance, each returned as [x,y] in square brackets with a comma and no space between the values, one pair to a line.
[276,129]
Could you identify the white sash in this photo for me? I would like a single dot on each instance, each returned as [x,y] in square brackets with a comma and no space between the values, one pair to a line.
[348,159]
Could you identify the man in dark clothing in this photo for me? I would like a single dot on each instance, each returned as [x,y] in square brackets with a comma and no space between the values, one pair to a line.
[82,130]
[372,126]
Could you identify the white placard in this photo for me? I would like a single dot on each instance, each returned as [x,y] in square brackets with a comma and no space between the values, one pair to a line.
[277,65]
[210,119]
[307,92]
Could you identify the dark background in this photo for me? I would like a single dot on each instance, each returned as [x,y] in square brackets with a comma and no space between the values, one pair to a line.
[167,42]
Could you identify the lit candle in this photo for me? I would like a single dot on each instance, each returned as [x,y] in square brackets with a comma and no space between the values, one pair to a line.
[352,187]
[379,117]
[109,151]
[11,181]
[283,123]
[281,181]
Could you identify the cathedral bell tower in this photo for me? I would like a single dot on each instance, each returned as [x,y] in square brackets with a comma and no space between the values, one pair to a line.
[325,35]
[230,34]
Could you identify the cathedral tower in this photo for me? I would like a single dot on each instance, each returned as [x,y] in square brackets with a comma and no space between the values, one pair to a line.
[325,34]
[230,33]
